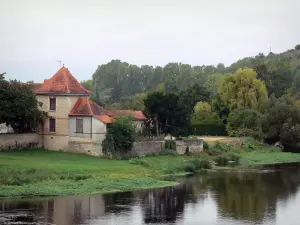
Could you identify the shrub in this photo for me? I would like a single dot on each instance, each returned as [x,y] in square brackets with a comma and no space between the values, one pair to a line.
[120,137]
[222,160]
[205,145]
[138,161]
[234,157]
[201,164]
[169,152]
[170,144]
[190,168]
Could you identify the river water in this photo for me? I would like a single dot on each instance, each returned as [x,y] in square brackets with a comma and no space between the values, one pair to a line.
[269,196]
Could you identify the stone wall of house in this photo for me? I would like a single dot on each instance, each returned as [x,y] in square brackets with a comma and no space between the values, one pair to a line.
[13,141]
[85,147]
[193,146]
[147,147]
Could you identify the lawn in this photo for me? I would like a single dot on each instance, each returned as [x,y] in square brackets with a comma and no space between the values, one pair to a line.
[47,173]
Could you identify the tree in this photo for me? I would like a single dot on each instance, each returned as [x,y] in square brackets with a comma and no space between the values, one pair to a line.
[243,90]
[244,123]
[2,76]
[297,47]
[276,74]
[281,122]
[203,114]
[88,84]
[119,137]
[165,112]
[18,106]
[213,82]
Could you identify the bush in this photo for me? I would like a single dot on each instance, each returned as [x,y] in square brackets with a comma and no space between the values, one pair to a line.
[222,160]
[190,168]
[120,137]
[202,164]
[170,144]
[138,161]
[205,145]
[234,157]
[169,152]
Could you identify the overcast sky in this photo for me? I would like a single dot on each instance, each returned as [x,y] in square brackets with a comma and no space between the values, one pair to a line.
[83,34]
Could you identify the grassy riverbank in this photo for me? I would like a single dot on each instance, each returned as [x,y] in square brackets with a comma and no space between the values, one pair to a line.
[47,173]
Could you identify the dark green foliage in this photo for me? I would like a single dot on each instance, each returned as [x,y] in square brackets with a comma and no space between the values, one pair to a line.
[170,144]
[297,47]
[205,145]
[281,122]
[244,123]
[234,157]
[120,137]
[165,113]
[209,129]
[18,106]
[222,160]
[201,164]
[190,168]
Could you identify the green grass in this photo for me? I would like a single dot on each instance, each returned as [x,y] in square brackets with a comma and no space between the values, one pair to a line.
[48,173]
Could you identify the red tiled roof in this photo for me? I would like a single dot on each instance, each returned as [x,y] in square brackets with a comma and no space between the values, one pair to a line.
[104,118]
[86,107]
[62,82]
[138,115]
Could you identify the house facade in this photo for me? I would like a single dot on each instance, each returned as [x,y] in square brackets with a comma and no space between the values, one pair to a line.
[72,116]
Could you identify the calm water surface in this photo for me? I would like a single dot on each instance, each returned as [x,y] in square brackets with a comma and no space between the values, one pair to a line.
[270,196]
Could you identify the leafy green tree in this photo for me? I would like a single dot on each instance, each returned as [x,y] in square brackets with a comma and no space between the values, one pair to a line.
[120,137]
[18,106]
[203,114]
[88,84]
[243,90]
[244,123]
[165,112]
[281,122]
[297,47]
[276,74]
[213,83]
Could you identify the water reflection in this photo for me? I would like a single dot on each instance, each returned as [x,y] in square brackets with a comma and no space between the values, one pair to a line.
[220,198]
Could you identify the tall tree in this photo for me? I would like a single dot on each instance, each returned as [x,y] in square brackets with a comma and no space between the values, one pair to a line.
[18,106]
[243,90]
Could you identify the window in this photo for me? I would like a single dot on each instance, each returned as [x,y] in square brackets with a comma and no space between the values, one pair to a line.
[52,103]
[52,125]
[79,125]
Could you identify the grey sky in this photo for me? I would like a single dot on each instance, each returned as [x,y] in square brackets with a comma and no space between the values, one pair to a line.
[86,33]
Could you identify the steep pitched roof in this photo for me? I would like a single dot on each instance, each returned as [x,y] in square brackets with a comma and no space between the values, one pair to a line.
[62,82]
[104,119]
[86,107]
[138,115]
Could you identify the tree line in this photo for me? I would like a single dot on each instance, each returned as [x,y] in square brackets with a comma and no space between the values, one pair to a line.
[255,96]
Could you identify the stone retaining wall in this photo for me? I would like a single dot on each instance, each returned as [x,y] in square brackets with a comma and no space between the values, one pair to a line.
[85,147]
[14,141]
[192,146]
[147,147]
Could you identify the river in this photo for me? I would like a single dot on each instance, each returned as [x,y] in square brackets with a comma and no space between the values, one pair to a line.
[268,196]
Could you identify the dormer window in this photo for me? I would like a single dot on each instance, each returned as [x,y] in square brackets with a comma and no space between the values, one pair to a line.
[52,103]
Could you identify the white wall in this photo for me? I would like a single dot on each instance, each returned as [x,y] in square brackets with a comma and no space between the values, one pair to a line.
[99,130]
[87,126]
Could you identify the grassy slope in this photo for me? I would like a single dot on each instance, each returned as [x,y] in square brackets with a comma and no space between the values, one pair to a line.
[45,173]
[38,172]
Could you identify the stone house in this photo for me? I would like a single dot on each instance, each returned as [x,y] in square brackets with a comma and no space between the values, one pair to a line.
[72,115]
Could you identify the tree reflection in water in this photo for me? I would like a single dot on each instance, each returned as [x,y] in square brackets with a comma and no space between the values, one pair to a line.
[241,196]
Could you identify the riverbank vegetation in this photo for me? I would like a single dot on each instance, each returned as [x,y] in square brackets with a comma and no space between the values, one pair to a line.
[33,172]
